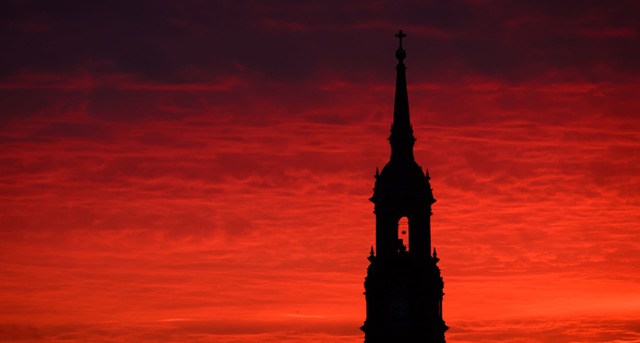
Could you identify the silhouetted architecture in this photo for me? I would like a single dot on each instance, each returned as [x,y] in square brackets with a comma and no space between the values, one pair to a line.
[403,287]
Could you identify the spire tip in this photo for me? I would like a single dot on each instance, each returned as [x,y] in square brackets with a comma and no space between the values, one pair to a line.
[400,53]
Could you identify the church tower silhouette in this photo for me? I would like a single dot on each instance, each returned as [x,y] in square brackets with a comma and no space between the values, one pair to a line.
[403,287]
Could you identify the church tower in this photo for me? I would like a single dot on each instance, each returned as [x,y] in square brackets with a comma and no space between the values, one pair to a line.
[403,287]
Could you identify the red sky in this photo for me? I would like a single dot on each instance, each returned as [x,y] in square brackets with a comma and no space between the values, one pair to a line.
[199,171]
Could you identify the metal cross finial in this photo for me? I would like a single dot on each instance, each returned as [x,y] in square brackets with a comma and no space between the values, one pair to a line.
[400,35]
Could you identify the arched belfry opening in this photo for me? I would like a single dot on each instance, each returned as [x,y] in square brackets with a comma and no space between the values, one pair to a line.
[403,287]
[403,234]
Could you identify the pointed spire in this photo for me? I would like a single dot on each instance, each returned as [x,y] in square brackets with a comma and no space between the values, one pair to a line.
[401,138]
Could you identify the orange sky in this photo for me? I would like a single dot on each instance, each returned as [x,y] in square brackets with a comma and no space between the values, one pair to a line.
[188,171]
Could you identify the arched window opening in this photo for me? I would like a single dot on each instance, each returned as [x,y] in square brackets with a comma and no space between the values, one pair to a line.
[403,234]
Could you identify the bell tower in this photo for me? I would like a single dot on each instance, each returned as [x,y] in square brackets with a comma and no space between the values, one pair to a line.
[403,286]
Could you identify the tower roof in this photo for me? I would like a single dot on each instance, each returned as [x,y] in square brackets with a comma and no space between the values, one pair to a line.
[401,138]
[401,174]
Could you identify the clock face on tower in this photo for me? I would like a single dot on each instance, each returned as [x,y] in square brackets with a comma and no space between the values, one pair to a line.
[399,308]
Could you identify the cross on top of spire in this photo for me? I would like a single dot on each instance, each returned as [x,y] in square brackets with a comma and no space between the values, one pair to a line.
[400,35]
[400,53]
